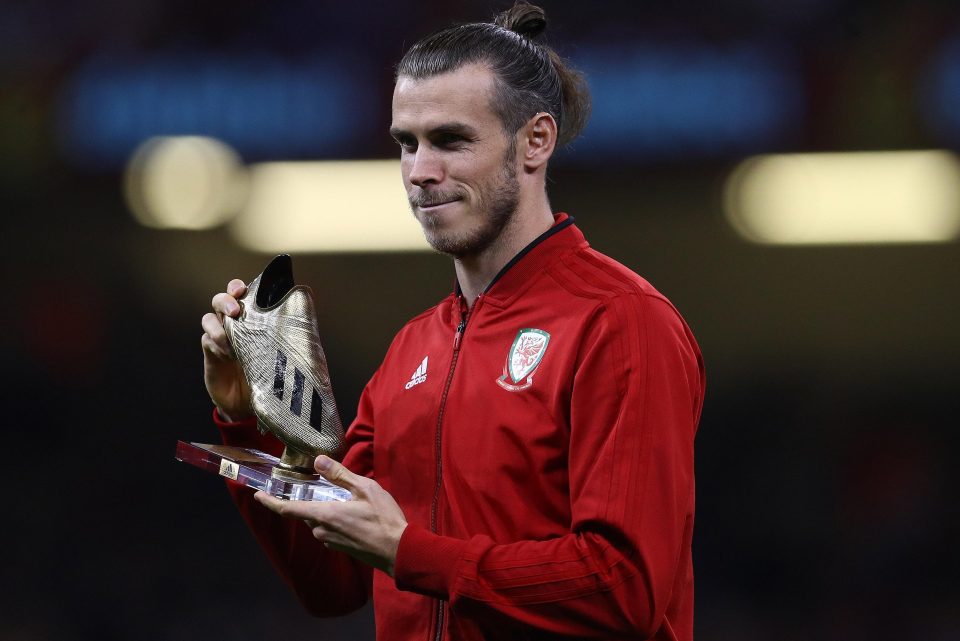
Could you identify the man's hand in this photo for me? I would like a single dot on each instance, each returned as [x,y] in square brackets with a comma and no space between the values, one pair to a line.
[368,527]
[222,373]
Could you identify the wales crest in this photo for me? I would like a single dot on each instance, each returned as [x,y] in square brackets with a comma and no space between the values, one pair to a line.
[523,359]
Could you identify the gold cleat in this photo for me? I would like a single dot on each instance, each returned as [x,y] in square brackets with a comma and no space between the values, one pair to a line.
[276,341]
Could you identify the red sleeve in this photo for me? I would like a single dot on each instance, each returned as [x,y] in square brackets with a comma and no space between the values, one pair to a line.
[636,402]
[327,583]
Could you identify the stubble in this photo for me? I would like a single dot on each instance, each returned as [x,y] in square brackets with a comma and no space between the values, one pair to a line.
[498,204]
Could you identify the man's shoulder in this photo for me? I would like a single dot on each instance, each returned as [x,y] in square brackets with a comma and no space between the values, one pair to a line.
[427,314]
[433,314]
[591,274]
[624,300]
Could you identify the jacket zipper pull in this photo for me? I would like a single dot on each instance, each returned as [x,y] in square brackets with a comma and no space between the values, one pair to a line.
[459,335]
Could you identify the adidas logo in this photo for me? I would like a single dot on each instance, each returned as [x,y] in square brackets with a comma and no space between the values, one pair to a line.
[420,375]
[296,398]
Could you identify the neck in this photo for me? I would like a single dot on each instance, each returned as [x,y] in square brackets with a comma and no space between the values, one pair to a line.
[476,271]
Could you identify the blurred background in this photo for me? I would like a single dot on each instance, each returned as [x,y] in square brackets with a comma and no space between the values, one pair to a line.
[152,150]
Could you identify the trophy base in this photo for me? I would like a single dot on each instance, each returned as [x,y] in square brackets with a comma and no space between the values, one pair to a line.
[260,471]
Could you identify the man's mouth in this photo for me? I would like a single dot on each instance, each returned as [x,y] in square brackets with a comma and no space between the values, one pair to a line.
[434,203]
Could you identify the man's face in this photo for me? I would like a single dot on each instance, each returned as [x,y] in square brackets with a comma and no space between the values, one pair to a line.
[458,165]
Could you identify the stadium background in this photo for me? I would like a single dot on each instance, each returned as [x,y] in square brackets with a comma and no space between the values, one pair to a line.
[827,477]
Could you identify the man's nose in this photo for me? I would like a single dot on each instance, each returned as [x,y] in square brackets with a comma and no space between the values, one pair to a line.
[426,168]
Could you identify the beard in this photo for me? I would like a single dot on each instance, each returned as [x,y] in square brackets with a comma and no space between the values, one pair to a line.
[496,203]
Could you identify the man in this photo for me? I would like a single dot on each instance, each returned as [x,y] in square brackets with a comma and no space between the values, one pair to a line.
[535,475]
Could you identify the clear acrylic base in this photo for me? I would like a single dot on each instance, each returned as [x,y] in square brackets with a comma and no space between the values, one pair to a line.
[256,469]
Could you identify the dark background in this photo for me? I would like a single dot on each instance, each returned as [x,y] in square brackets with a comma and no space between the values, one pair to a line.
[826,456]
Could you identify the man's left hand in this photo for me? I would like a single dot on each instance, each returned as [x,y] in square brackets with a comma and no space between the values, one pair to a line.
[368,527]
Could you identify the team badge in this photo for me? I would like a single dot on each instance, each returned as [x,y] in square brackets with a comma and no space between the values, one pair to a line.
[523,359]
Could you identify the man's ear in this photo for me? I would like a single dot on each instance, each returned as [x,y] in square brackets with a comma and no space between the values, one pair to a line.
[540,135]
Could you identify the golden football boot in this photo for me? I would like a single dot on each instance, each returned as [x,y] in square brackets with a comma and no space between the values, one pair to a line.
[276,341]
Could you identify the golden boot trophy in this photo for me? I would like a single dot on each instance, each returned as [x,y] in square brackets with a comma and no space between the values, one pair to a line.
[276,341]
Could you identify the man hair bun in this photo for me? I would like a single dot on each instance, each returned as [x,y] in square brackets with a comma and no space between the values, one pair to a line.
[523,18]
[530,76]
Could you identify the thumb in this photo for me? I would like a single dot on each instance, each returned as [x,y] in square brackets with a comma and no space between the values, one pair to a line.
[335,472]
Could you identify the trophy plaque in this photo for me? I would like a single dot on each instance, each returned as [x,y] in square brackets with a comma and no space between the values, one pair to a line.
[277,344]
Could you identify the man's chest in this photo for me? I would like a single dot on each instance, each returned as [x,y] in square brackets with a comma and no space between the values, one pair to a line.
[474,429]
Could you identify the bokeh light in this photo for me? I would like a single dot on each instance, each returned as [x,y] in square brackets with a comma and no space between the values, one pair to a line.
[184,182]
[327,206]
[864,197]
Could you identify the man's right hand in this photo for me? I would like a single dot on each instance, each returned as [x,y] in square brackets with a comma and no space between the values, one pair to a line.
[222,374]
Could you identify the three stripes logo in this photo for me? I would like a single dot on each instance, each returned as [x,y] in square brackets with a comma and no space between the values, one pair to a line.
[419,376]
[296,396]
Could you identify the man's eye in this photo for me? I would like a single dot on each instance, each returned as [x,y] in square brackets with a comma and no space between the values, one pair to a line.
[406,145]
[448,140]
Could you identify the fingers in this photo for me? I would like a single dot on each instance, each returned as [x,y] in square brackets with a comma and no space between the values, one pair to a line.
[272,503]
[236,288]
[286,509]
[214,339]
[211,350]
[316,513]
[340,475]
[224,303]
[368,528]
[331,538]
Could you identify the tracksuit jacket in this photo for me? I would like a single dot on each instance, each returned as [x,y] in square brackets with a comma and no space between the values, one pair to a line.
[540,445]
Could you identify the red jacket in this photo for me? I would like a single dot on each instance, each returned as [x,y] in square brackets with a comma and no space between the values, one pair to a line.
[541,448]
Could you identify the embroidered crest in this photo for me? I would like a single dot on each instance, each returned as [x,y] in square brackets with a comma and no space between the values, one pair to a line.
[523,359]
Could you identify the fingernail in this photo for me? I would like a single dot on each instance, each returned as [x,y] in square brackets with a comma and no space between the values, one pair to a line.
[322,463]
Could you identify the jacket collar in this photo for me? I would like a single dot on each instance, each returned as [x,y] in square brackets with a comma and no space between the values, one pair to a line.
[533,258]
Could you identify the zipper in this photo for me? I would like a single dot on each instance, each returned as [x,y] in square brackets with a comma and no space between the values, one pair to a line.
[435,505]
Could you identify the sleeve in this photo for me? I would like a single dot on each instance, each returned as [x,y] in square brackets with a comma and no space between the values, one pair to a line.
[635,404]
[326,582]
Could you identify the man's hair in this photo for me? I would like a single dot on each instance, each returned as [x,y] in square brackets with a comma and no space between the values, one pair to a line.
[529,76]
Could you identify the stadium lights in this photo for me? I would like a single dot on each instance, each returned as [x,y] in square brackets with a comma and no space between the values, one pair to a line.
[195,183]
[327,206]
[184,182]
[833,198]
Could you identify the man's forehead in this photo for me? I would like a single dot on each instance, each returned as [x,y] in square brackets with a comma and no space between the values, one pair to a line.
[462,95]
[474,75]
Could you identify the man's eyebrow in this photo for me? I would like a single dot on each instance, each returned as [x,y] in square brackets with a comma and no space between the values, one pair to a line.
[457,128]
